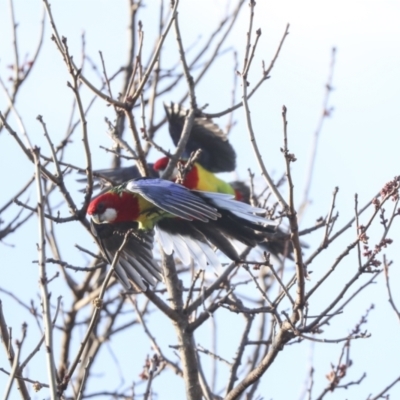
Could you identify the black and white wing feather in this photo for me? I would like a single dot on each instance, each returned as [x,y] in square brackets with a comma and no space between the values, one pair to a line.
[136,262]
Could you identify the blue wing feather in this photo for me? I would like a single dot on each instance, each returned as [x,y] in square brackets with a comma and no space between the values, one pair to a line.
[173,198]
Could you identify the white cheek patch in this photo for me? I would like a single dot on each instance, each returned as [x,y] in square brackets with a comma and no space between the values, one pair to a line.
[109,215]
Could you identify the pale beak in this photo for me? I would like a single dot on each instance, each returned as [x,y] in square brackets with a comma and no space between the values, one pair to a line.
[96,218]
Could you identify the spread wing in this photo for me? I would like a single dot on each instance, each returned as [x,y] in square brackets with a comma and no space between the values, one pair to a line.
[188,244]
[173,198]
[136,263]
[217,154]
[223,201]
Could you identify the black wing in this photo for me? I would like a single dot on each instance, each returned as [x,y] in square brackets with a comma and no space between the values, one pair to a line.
[136,263]
[217,153]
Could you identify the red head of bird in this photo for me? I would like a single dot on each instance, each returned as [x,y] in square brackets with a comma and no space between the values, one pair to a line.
[112,207]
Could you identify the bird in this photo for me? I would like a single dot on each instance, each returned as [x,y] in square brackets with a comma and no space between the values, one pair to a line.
[190,240]
[204,135]
[187,222]
[198,178]
[217,153]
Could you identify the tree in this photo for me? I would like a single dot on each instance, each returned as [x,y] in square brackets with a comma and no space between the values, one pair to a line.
[86,325]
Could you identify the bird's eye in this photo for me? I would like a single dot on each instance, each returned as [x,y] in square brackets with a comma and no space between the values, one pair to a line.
[101,208]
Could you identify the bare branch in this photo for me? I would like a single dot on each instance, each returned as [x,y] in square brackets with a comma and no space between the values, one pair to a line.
[45,296]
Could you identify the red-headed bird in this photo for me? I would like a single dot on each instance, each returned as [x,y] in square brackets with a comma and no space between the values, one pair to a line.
[198,178]
[186,221]
[217,154]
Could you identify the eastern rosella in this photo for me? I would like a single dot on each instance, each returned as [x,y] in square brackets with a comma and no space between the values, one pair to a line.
[198,178]
[186,221]
[217,154]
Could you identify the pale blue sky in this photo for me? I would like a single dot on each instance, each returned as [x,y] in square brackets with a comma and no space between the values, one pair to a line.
[358,148]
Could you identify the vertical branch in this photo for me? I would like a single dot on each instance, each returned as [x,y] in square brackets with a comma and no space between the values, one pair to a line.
[140,153]
[15,367]
[156,53]
[128,72]
[234,88]
[208,395]
[154,362]
[192,110]
[214,340]
[6,340]
[294,227]
[239,354]
[386,266]
[359,232]
[128,112]
[153,91]
[185,336]
[75,88]
[185,66]
[45,295]
[246,66]
[85,376]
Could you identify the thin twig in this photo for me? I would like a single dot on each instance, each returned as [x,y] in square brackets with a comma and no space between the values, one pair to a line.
[391,301]
[264,77]
[386,389]
[239,354]
[96,312]
[156,53]
[15,367]
[84,378]
[301,273]
[45,298]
